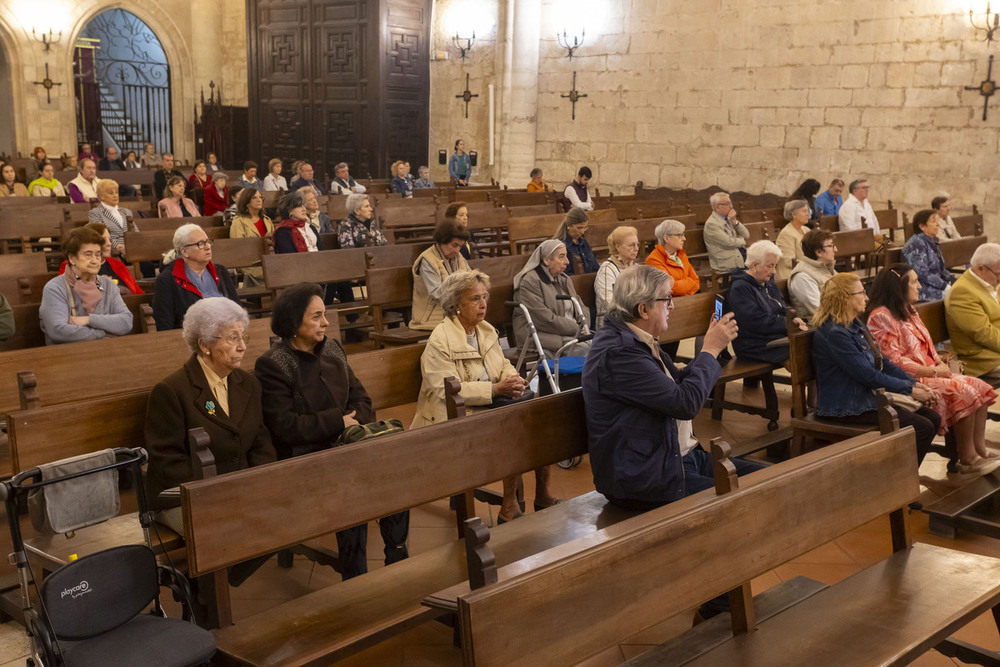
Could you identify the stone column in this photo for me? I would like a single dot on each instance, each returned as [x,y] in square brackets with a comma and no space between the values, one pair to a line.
[517,114]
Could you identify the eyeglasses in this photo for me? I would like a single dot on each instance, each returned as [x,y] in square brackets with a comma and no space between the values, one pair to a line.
[234,339]
[202,244]
[668,299]
[634,244]
[832,245]
[679,234]
[857,293]
[725,203]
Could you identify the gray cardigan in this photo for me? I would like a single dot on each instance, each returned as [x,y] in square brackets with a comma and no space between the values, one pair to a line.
[110,317]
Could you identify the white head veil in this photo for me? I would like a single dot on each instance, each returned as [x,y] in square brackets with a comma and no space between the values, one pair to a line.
[544,251]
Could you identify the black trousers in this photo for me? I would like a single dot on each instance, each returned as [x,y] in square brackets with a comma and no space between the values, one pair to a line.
[925,423]
[352,544]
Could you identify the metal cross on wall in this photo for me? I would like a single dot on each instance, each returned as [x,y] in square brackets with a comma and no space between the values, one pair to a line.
[987,88]
[47,83]
[466,95]
[574,95]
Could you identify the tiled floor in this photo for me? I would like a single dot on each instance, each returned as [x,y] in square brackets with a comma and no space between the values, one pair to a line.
[431,525]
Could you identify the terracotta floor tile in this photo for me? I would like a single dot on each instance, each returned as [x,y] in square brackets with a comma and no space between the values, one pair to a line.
[386,654]
[431,656]
[934,659]
[760,584]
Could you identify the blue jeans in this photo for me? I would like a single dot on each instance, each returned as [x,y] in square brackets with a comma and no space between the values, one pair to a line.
[698,470]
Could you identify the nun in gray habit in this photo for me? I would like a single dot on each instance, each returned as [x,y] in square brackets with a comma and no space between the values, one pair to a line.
[538,284]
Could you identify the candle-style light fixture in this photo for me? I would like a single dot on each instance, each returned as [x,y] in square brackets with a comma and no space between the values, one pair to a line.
[992,23]
[464,44]
[571,42]
[48,39]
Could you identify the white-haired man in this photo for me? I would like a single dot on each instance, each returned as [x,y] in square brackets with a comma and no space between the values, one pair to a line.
[973,315]
[725,236]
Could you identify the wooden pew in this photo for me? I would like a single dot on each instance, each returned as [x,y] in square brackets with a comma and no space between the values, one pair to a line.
[171,224]
[20,232]
[24,289]
[28,327]
[969,225]
[327,266]
[55,374]
[414,467]
[532,599]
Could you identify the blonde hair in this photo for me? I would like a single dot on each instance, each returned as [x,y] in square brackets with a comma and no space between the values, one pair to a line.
[835,300]
[618,236]
[394,169]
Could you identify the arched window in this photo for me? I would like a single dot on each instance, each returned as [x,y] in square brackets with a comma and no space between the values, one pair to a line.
[122,82]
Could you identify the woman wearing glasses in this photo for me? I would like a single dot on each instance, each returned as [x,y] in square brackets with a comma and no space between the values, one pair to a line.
[850,366]
[80,304]
[623,248]
[188,275]
[819,254]
[212,391]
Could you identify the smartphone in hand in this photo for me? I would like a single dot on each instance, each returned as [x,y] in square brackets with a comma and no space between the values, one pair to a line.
[720,306]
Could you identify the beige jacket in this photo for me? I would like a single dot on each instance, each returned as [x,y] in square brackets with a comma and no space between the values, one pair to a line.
[448,355]
[427,313]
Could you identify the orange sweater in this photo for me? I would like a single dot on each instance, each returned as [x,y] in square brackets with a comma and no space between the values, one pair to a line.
[686,281]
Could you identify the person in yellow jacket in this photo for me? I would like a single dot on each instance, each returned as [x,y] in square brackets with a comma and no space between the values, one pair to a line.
[973,315]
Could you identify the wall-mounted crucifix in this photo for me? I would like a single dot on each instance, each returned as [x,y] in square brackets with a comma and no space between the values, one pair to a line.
[467,95]
[574,95]
[987,88]
[48,83]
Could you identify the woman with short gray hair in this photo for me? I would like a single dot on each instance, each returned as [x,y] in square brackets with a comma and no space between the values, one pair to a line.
[759,307]
[210,391]
[188,275]
[467,347]
[639,406]
[360,229]
[669,256]
[790,236]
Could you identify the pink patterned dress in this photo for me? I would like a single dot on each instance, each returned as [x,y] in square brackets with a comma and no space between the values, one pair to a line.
[909,346]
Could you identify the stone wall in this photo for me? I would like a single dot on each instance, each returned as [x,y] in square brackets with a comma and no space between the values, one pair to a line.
[191,34]
[755,96]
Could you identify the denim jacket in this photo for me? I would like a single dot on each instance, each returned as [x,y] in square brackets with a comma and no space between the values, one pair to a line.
[846,374]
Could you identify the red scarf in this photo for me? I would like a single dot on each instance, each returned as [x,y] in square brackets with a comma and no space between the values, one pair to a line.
[261,227]
[297,238]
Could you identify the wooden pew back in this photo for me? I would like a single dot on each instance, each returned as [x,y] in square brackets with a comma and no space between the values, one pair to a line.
[326,266]
[150,246]
[394,472]
[28,326]
[171,224]
[665,561]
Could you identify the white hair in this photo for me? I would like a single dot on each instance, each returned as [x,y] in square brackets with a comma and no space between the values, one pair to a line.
[760,251]
[668,227]
[987,255]
[207,317]
[716,198]
[793,207]
[181,236]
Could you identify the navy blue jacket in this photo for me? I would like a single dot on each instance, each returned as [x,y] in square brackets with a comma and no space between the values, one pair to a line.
[846,375]
[582,250]
[760,315]
[631,405]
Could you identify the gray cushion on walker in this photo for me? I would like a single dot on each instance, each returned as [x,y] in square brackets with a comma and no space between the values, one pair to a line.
[76,503]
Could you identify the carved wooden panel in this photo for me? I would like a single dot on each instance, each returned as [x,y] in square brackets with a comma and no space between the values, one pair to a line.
[339,80]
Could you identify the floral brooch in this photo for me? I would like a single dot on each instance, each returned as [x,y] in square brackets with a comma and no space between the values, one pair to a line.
[210,406]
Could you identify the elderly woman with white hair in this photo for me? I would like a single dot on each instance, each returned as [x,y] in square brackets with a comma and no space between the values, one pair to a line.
[211,391]
[758,306]
[790,236]
[538,286]
[360,228]
[669,256]
[623,248]
[467,347]
[188,275]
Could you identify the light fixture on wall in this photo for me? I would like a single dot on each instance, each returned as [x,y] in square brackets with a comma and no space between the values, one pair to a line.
[48,39]
[992,23]
[571,42]
[468,42]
